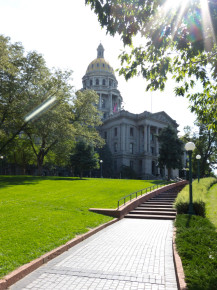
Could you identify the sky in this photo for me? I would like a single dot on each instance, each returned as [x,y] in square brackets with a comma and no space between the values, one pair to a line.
[67,34]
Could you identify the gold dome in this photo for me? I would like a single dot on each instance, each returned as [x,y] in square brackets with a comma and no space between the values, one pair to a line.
[99,65]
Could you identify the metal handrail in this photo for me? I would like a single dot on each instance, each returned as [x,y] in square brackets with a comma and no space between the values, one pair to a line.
[141,191]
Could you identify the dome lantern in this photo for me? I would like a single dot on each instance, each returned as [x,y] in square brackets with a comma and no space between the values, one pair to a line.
[100,51]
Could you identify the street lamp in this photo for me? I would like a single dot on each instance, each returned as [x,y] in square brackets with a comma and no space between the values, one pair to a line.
[198,157]
[189,147]
[101,162]
[1,157]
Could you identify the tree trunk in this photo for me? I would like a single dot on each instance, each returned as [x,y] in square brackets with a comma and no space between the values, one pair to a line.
[81,174]
[40,161]
[169,173]
[24,170]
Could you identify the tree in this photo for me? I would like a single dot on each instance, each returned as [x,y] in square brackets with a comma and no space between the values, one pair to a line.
[84,157]
[20,153]
[205,145]
[11,98]
[106,155]
[25,84]
[179,39]
[171,150]
[63,123]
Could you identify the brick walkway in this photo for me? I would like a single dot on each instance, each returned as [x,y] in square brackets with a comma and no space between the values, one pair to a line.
[131,254]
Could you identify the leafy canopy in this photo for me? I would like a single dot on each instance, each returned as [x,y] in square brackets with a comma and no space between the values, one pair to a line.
[26,83]
[178,39]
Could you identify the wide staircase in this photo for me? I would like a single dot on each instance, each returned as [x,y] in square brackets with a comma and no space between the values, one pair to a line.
[158,207]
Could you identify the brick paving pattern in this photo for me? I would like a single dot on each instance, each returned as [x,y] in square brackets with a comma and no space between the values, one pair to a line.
[131,254]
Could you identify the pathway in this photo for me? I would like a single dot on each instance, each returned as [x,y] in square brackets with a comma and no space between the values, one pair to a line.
[130,254]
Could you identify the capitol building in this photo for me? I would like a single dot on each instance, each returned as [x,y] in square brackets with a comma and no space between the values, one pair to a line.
[132,138]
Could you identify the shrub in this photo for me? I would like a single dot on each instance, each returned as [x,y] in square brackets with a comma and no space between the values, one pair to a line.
[200,191]
[199,207]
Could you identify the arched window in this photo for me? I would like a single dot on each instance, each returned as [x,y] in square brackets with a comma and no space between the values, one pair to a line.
[97,82]
[91,82]
[103,82]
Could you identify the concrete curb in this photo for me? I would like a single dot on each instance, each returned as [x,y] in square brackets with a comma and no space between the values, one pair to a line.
[26,269]
[180,276]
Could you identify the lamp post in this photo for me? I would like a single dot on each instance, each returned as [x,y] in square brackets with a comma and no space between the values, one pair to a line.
[189,147]
[198,157]
[101,162]
[1,157]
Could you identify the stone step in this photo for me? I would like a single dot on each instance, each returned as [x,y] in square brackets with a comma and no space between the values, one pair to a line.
[155,205]
[159,217]
[156,208]
[141,212]
[159,202]
[167,195]
[164,196]
[163,199]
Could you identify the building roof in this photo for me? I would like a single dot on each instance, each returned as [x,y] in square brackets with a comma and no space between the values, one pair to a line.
[100,64]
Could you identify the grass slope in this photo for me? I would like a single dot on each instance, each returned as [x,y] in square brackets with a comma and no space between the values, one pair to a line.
[38,214]
[211,205]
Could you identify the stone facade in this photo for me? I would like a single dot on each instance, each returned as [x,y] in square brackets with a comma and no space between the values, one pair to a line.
[132,138]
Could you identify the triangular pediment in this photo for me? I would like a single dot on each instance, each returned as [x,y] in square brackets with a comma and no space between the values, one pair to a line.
[163,117]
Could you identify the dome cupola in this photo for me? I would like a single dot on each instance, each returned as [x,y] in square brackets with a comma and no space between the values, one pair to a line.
[100,77]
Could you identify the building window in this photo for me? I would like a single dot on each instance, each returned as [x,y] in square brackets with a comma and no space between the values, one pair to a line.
[115,147]
[152,137]
[103,82]
[131,132]
[152,150]
[131,164]
[97,64]
[116,132]
[97,82]
[131,148]
[105,135]
[110,83]
[91,82]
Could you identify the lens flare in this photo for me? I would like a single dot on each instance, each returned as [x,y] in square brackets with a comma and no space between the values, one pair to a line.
[40,109]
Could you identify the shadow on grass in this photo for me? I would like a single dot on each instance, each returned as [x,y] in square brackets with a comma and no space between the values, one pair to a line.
[69,178]
[10,180]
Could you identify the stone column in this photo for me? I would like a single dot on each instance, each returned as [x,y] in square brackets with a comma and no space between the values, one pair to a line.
[148,138]
[156,142]
[145,138]
[123,141]
[111,109]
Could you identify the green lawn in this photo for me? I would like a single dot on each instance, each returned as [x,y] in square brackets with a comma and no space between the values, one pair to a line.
[211,205]
[38,214]
[196,239]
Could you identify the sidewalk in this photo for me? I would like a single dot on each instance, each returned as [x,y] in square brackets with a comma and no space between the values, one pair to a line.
[130,254]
